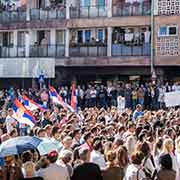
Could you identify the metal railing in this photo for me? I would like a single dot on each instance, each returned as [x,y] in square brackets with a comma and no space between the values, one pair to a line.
[12,16]
[88,50]
[135,9]
[47,50]
[88,11]
[124,50]
[41,14]
[12,51]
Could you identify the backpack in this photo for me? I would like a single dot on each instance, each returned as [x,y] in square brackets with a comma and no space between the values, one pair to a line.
[150,175]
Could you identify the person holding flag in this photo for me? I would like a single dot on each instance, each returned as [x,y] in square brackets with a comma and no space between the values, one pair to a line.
[73,97]
[24,117]
[30,104]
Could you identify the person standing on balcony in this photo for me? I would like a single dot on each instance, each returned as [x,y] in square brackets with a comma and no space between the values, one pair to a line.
[141,94]
[102,94]
[93,96]
[127,95]
[80,96]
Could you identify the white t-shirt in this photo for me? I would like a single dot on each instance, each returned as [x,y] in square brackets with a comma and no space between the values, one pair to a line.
[54,172]
[98,158]
[133,172]
[10,121]
[93,93]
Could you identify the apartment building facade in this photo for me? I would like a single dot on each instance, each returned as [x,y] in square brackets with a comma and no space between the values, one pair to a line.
[90,39]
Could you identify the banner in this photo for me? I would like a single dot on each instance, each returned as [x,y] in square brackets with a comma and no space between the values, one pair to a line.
[172,99]
[27,67]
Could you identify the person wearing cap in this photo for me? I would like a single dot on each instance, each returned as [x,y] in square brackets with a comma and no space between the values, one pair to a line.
[54,171]
[86,170]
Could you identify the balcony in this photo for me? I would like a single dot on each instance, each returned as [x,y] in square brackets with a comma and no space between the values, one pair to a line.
[131,50]
[88,50]
[48,14]
[47,50]
[12,16]
[34,51]
[135,9]
[88,12]
[12,51]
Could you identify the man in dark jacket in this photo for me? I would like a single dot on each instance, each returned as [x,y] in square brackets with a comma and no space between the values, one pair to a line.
[86,170]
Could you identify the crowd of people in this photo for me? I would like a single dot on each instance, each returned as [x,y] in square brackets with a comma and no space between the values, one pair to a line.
[103,142]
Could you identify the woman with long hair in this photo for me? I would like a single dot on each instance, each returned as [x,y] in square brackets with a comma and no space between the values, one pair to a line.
[113,171]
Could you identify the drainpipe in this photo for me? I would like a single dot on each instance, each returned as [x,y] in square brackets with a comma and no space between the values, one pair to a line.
[152,38]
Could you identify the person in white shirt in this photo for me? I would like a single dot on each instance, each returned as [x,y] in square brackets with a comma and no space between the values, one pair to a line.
[134,171]
[96,156]
[54,171]
[93,95]
[10,121]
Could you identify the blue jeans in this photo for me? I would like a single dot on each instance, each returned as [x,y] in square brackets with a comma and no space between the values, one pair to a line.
[23,131]
[141,102]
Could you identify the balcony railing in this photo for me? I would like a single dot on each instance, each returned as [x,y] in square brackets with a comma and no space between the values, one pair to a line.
[34,51]
[88,50]
[12,16]
[124,50]
[135,9]
[47,50]
[88,11]
[12,51]
[49,14]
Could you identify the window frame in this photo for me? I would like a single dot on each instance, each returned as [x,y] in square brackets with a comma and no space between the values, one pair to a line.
[167,31]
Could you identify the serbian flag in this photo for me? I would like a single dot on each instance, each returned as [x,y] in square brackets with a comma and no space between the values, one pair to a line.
[30,104]
[73,98]
[22,115]
[56,98]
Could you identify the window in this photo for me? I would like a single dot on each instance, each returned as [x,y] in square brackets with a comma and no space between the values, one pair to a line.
[21,38]
[87,35]
[172,30]
[85,3]
[100,35]
[80,36]
[163,31]
[60,37]
[168,31]
[7,39]
[100,2]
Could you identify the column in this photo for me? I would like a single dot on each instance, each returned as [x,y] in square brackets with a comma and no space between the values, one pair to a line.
[109,42]
[155,8]
[32,40]
[109,8]
[14,51]
[33,36]
[67,43]
[27,44]
[52,49]
[53,37]
[15,37]
[28,10]
[68,9]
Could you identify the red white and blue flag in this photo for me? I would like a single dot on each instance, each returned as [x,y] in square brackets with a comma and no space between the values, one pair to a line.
[56,98]
[22,115]
[30,104]
[73,98]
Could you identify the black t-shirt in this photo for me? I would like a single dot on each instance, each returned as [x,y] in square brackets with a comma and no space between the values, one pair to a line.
[87,171]
[33,178]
